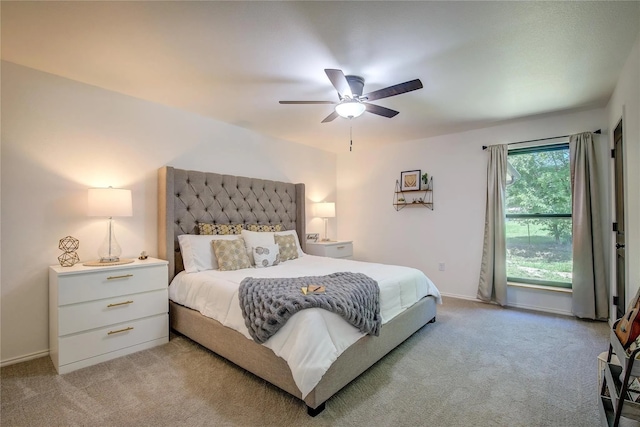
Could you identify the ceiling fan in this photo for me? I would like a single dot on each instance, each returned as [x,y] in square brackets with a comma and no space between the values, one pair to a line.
[352,103]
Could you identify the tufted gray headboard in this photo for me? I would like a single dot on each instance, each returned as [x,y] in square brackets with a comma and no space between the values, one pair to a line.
[188,197]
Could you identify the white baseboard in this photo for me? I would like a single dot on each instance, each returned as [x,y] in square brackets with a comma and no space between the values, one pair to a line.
[24,358]
[543,309]
[446,294]
[522,306]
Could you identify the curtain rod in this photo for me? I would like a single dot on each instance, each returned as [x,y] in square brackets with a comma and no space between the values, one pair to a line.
[599,131]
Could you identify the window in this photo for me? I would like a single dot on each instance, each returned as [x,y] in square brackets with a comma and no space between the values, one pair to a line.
[538,212]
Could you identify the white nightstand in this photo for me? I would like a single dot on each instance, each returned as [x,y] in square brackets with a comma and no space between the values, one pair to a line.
[100,313]
[340,249]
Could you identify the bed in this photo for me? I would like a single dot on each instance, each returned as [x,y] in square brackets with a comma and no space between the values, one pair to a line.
[187,198]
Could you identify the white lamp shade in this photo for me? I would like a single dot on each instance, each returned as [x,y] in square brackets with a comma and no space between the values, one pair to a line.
[109,202]
[349,109]
[325,210]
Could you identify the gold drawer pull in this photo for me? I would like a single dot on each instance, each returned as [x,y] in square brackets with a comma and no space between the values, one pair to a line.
[124,276]
[340,247]
[120,303]
[120,330]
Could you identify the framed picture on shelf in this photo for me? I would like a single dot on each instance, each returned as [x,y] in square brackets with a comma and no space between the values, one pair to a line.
[313,237]
[410,180]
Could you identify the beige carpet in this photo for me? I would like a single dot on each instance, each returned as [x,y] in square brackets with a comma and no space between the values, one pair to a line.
[478,365]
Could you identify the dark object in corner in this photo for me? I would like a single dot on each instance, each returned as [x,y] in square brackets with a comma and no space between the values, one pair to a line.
[313,412]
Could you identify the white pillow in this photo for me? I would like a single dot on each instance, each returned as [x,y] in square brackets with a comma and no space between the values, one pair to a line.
[266,256]
[197,251]
[253,239]
[284,233]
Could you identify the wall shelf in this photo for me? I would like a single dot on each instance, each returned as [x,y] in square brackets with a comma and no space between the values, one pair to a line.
[422,197]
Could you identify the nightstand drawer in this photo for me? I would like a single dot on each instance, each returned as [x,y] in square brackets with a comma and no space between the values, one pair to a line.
[107,283]
[339,251]
[77,347]
[95,314]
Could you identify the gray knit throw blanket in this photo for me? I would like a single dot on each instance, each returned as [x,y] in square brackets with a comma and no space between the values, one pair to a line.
[267,304]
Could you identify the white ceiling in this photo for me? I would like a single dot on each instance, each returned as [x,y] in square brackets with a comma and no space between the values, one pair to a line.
[481,63]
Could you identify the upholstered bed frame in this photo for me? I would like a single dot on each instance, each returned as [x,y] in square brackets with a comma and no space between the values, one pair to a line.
[188,197]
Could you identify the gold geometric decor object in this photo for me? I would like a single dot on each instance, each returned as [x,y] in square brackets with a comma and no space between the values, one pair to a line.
[68,259]
[69,245]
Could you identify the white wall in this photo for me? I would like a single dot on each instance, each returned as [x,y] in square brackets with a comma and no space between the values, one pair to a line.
[61,137]
[453,232]
[625,104]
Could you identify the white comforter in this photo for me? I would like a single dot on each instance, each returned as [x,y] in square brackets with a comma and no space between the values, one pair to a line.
[308,349]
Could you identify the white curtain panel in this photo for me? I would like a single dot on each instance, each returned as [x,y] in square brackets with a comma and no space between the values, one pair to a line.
[493,271]
[590,294]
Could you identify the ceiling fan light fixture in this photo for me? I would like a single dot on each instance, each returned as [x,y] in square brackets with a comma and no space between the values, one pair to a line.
[352,103]
[350,109]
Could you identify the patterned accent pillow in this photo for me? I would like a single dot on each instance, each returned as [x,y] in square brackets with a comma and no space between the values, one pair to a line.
[266,256]
[231,254]
[288,247]
[260,227]
[295,237]
[223,229]
[197,251]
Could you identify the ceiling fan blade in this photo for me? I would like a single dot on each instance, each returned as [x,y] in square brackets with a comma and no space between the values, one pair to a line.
[308,102]
[339,81]
[394,90]
[381,111]
[330,117]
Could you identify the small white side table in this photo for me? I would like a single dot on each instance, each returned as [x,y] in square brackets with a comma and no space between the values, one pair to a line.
[100,313]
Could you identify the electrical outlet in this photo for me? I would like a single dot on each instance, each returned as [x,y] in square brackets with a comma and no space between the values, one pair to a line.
[441,266]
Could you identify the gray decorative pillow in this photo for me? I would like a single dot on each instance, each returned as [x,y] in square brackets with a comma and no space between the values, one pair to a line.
[231,254]
[266,255]
[288,247]
[260,227]
[220,229]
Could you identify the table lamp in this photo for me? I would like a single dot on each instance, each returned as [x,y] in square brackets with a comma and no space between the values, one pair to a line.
[325,210]
[109,202]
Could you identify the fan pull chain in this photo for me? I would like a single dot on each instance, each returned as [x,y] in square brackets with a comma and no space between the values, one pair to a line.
[350,136]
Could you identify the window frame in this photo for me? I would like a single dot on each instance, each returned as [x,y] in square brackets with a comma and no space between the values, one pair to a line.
[531,150]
